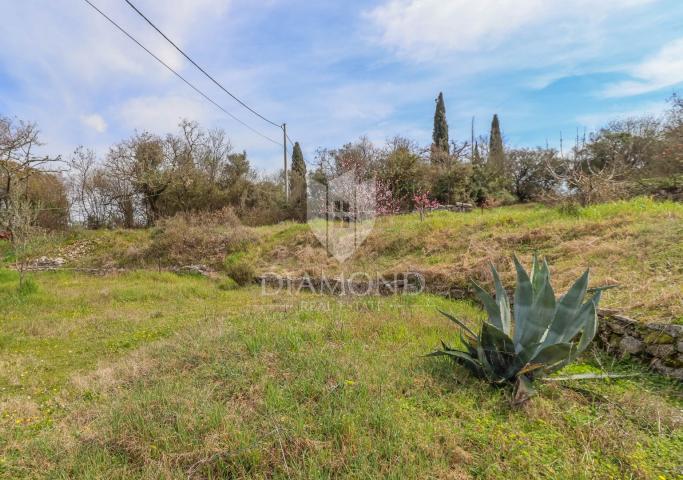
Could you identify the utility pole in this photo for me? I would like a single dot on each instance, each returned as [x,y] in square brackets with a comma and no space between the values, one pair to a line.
[284,144]
[472,139]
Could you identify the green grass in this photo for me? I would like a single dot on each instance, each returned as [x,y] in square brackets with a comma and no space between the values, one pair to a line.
[152,375]
[635,244]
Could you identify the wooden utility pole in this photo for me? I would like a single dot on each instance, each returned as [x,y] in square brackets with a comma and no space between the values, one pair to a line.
[284,143]
[472,140]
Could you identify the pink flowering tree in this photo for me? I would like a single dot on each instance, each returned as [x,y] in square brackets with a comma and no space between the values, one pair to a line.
[423,203]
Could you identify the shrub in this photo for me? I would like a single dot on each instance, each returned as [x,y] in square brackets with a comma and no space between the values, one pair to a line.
[238,268]
[569,208]
[227,284]
[543,336]
[198,238]
[27,286]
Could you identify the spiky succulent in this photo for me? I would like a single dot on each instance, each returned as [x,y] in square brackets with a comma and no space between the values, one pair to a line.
[542,336]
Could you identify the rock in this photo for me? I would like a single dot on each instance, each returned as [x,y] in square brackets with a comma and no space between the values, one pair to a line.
[675,362]
[659,366]
[660,351]
[658,337]
[616,327]
[669,329]
[630,345]
[679,347]
[614,340]
[192,270]
[47,262]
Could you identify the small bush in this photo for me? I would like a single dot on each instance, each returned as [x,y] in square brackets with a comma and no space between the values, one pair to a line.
[227,284]
[569,209]
[238,267]
[27,287]
[198,238]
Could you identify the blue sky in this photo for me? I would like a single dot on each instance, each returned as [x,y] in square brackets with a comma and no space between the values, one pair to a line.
[335,70]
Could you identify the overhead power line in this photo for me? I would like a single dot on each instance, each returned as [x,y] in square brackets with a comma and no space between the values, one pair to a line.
[199,67]
[204,95]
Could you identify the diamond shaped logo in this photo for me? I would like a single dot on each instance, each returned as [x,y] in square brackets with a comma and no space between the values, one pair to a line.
[341,212]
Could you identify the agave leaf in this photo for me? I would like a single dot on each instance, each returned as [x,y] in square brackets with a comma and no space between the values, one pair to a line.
[590,310]
[524,297]
[469,345]
[534,266]
[591,376]
[458,322]
[542,312]
[527,352]
[567,321]
[463,359]
[499,350]
[503,302]
[490,305]
[487,368]
[540,275]
[554,356]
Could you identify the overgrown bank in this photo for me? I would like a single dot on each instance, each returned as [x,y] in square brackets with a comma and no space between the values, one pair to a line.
[635,245]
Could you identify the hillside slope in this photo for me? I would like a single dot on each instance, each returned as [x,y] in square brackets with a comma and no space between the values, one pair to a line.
[637,245]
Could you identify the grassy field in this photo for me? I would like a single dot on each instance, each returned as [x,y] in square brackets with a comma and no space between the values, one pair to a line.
[153,375]
[636,244]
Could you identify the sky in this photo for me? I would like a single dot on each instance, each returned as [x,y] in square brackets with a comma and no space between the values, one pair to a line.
[336,70]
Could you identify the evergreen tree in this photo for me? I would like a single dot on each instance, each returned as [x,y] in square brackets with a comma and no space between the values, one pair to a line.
[496,152]
[297,184]
[440,134]
[476,156]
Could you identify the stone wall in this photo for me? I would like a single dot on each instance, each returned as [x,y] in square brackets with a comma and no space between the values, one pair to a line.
[659,345]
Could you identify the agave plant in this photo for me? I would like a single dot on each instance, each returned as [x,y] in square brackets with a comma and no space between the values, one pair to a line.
[542,336]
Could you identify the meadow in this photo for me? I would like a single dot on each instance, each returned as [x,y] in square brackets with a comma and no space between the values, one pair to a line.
[150,375]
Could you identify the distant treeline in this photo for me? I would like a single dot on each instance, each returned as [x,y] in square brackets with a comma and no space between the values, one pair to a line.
[148,177]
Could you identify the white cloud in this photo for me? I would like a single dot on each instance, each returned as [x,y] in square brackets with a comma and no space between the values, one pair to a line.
[429,29]
[161,114]
[663,69]
[596,120]
[94,121]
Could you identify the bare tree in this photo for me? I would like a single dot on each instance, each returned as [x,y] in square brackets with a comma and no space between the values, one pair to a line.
[88,188]
[581,179]
[18,159]
[19,220]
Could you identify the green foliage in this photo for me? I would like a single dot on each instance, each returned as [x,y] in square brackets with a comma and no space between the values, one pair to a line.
[403,171]
[451,183]
[297,184]
[239,268]
[27,286]
[209,236]
[528,173]
[569,209]
[226,284]
[440,133]
[496,150]
[542,336]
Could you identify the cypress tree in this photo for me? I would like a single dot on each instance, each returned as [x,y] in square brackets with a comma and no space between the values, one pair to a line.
[298,183]
[496,152]
[476,156]
[440,133]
